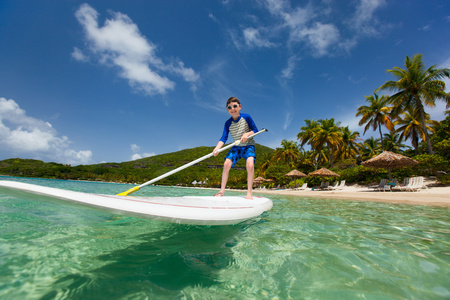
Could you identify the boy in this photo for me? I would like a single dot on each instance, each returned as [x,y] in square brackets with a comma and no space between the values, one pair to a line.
[241,126]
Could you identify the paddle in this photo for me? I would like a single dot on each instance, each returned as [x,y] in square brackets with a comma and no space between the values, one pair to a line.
[136,188]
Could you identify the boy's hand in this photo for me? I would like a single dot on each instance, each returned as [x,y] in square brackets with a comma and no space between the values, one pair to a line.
[245,137]
[215,152]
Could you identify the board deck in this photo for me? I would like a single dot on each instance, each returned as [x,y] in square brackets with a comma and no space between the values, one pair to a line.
[195,210]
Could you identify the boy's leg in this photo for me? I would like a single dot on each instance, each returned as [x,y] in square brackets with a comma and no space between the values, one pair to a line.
[226,171]
[250,176]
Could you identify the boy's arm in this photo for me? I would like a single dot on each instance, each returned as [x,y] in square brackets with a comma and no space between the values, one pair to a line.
[219,145]
[224,138]
[246,135]
[251,125]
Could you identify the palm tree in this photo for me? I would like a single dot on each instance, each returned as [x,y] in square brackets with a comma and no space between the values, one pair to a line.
[376,114]
[417,87]
[411,128]
[288,153]
[305,135]
[370,148]
[307,132]
[329,134]
[266,159]
[350,146]
[317,158]
[393,142]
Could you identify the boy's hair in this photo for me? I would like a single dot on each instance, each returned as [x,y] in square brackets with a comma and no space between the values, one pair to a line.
[233,99]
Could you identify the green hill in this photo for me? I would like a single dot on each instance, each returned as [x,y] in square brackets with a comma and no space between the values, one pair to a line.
[139,171]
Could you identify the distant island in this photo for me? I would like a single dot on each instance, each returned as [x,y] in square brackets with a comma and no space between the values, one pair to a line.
[207,172]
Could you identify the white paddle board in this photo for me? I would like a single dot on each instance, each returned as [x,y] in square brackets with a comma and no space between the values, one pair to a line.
[194,210]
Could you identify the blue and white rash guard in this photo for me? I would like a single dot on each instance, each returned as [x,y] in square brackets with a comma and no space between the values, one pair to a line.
[237,128]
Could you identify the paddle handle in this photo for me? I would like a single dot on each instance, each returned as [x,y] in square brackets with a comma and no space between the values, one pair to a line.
[197,160]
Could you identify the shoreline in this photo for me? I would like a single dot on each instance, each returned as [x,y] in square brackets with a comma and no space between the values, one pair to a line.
[432,196]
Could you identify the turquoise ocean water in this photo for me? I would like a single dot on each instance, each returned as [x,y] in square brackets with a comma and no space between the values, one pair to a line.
[304,248]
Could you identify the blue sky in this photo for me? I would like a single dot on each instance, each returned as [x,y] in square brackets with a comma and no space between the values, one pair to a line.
[111,81]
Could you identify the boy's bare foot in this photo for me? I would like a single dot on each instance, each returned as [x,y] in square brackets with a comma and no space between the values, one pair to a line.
[249,197]
[219,194]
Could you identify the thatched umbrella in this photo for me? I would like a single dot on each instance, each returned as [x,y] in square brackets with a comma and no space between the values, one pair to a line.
[390,160]
[324,172]
[259,180]
[295,174]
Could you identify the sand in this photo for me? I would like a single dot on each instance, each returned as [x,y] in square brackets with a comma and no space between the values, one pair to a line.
[432,196]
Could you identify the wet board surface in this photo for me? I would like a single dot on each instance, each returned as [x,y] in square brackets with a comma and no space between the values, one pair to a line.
[195,210]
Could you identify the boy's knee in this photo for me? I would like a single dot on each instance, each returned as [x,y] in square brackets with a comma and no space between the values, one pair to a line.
[250,162]
[227,164]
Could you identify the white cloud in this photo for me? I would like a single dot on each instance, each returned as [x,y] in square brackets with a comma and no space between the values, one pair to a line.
[298,17]
[212,17]
[287,73]
[437,112]
[363,20]
[253,39]
[29,137]
[350,120]
[120,43]
[320,37]
[309,25]
[135,149]
[287,120]
[425,28]
[302,28]
[78,55]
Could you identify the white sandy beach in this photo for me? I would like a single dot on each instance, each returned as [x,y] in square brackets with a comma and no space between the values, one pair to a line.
[432,196]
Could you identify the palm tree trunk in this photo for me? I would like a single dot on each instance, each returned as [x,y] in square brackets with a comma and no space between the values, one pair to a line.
[427,136]
[415,142]
[331,157]
[381,136]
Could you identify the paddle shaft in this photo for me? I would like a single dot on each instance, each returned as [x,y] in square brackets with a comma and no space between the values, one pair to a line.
[197,161]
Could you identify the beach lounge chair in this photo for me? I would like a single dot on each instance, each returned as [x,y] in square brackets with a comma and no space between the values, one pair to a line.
[390,186]
[277,187]
[418,184]
[414,187]
[408,184]
[322,186]
[381,185]
[339,187]
[423,185]
[403,185]
[332,187]
[386,187]
[303,187]
[414,184]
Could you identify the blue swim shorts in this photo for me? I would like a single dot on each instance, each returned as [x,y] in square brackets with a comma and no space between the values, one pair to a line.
[238,152]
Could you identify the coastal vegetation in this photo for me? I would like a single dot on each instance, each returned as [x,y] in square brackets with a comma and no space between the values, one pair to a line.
[398,119]
[402,114]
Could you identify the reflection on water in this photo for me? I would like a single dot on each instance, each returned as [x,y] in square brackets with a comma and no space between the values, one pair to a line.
[168,261]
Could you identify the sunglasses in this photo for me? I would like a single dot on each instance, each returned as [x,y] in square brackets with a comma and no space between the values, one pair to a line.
[230,107]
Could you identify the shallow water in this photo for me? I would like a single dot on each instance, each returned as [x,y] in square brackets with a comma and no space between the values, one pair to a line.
[304,248]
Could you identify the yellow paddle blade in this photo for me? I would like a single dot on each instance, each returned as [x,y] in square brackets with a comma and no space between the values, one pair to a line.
[136,188]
